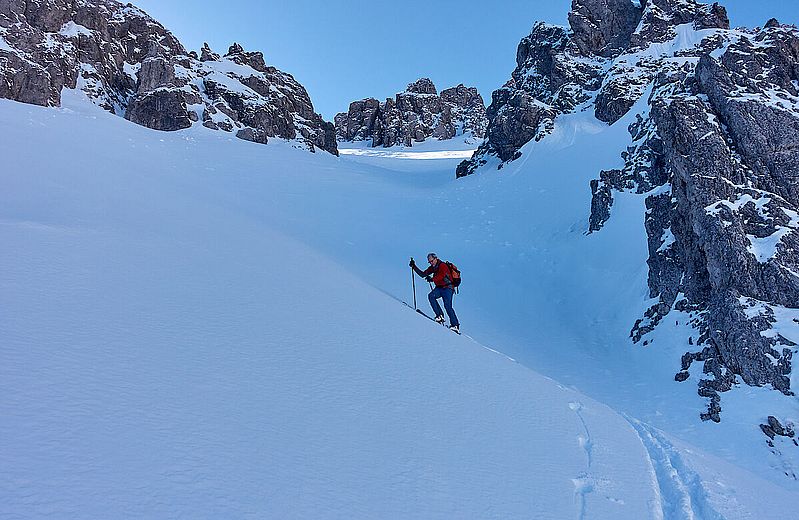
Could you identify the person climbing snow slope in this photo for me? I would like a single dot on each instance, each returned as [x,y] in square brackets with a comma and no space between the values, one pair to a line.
[439,273]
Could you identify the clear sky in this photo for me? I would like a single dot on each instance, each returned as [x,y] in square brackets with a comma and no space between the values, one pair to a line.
[343,50]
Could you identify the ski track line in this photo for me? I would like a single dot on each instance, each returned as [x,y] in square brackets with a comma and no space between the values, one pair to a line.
[583,483]
[406,304]
[682,496]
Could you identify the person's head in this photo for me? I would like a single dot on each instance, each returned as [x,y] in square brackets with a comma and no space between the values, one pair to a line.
[432,259]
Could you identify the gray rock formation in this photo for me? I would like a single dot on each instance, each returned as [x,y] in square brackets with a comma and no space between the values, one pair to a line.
[467,110]
[603,27]
[358,124]
[129,64]
[206,54]
[774,427]
[608,55]
[715,148]
[632,71]
[720,140]
[731,148]
[660,18]
[422,86]
[417,114]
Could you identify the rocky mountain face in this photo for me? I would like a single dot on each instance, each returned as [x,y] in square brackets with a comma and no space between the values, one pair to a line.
[129,64]
[723,229]
[414,115]
[716,153]
[604,61]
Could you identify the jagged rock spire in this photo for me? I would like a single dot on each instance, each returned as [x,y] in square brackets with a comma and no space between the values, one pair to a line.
[603,27]
[422,86]
[207,54]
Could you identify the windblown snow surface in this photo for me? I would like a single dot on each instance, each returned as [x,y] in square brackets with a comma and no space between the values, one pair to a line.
[194,326]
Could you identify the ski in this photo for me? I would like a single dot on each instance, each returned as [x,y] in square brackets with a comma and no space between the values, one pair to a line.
[433,320]
[425,315]
[420,311]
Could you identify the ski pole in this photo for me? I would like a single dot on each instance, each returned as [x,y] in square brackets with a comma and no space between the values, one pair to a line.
[413,283]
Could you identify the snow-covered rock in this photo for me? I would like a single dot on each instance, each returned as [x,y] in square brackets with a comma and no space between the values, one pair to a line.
[129,64]
[718,146]
[603,62]
[728,143]
[714,149]
[412,116]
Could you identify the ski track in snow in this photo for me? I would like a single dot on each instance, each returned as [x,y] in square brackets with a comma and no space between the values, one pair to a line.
[463,334]
[682,496]
[583,483]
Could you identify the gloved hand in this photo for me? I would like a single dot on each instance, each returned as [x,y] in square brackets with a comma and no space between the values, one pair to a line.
[412,263]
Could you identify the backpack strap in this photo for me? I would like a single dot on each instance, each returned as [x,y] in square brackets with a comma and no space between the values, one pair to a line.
[448,278]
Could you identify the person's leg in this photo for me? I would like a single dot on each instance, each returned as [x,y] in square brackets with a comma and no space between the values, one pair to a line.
[434,295]
[446,295]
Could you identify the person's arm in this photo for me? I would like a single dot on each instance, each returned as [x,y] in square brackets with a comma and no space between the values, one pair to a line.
[424,274]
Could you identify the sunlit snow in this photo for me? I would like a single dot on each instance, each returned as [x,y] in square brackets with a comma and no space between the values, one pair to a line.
[204,327]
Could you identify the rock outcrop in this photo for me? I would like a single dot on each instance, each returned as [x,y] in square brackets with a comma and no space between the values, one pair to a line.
[714,149]
[129,64]
[417,114]
[603,28]
[611,52]
[727,140]
[718,151]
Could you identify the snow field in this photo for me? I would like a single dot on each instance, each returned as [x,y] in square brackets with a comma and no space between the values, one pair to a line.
[169,354]
[159,284]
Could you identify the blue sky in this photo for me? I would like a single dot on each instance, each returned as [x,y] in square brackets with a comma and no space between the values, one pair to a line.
[343,50]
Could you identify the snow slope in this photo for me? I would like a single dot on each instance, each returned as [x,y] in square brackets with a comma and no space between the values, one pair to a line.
[167,356]
[199,326]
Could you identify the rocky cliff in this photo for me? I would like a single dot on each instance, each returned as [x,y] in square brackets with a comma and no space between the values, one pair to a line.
[417,114]
[722,228]
[603,61]
[715,154]
[129,64]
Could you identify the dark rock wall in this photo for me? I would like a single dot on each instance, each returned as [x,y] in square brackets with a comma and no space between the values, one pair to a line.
[604,27]
[129,64]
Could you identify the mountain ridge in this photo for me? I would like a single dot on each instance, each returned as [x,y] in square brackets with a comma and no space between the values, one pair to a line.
[129,64]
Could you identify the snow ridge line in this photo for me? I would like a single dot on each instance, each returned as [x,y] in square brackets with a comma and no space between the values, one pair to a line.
[406,304]
[682,496]
[583,483]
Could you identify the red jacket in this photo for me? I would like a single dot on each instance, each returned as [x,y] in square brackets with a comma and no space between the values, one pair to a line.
[442,276]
